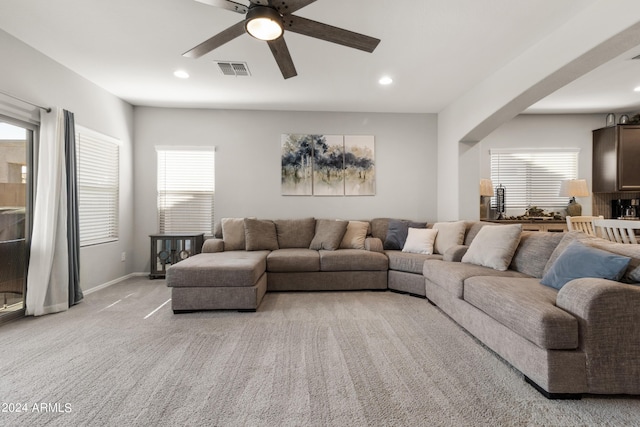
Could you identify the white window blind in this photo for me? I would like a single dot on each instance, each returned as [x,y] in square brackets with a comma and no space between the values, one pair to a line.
[98,168]
[186,185]
[532,177]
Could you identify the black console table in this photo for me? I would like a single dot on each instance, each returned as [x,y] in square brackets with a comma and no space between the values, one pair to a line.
[168,249]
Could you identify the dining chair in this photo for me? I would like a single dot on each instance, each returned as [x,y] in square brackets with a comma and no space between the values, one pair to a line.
[617,230]
[582,223]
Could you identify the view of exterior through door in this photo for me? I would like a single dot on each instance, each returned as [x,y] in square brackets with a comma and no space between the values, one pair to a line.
[15,149]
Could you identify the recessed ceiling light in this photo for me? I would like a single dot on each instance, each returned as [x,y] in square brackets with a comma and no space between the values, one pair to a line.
[386,80]
[637,89]
[181,74]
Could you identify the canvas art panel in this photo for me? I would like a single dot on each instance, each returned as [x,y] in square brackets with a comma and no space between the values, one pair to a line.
[297,165]
[359,165]
[327,165]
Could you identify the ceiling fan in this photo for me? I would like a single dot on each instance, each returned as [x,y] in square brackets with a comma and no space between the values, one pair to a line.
[268,19]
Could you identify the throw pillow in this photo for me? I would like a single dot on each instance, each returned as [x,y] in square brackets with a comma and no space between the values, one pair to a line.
[295,233]
[397,233]
[579,260]
[355,235]
[494,247]
[567,239]
[233,234]
[449,234]
[420,241]
[329,234]
[632,273]
[260,235]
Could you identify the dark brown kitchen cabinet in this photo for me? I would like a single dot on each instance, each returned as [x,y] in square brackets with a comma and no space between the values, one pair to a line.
[616,159]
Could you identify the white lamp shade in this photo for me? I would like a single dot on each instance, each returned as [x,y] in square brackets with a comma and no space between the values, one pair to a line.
[486,187]
[574,188]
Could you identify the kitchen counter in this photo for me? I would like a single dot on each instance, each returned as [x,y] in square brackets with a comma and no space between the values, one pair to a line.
[548,225]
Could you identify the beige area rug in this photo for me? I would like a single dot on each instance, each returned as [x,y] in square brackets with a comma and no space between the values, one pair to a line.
[304,359]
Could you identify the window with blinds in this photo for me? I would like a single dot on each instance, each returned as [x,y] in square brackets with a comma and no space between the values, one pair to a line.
[186,185]
[532,177]
[98,169]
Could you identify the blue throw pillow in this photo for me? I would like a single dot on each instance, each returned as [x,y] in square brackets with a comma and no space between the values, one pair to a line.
[579,260]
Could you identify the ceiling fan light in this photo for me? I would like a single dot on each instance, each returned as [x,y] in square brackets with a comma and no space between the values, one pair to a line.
[264,23]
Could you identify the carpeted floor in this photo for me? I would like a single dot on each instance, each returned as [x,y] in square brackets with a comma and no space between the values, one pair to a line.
[304,359]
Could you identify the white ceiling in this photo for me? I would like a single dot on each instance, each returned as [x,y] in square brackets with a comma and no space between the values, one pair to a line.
[434,50]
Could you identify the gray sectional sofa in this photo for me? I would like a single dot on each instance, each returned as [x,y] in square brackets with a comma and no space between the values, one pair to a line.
[580,338]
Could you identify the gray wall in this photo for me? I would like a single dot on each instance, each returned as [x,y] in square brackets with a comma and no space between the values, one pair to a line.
[248,164]
[33,76]
[546,131]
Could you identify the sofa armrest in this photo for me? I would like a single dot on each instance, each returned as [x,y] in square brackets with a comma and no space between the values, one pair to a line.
[608,316]
[373,244]
[455,253]
[213,245]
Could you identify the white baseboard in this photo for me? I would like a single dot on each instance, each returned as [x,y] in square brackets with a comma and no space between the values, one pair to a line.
[112,282]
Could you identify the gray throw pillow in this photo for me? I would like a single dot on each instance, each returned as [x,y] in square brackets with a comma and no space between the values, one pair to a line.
[329,234]
[260,235]
[493,247]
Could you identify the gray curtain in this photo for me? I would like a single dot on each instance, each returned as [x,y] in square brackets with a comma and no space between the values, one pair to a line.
[73,230]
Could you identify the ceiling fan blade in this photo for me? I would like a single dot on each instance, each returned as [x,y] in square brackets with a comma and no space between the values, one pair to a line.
[330,33]
[280,52]
[216,41]
[226,4]
[289,6]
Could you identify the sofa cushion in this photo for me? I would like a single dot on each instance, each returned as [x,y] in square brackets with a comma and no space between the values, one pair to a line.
[293,259]
[534,251]
[295,233]
[233,234]
[379,227]
[420,241]
[579,260]
[328,234]
[352,260]
[494,246]
[526,307]
[449,234]
[451,275]
[233,268]
[355,235]
[409,262]
[260,235]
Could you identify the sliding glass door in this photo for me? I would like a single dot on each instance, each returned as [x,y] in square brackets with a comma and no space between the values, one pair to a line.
[16,145]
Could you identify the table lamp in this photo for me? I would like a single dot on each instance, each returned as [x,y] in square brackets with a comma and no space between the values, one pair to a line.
[486,191]
[574,188]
